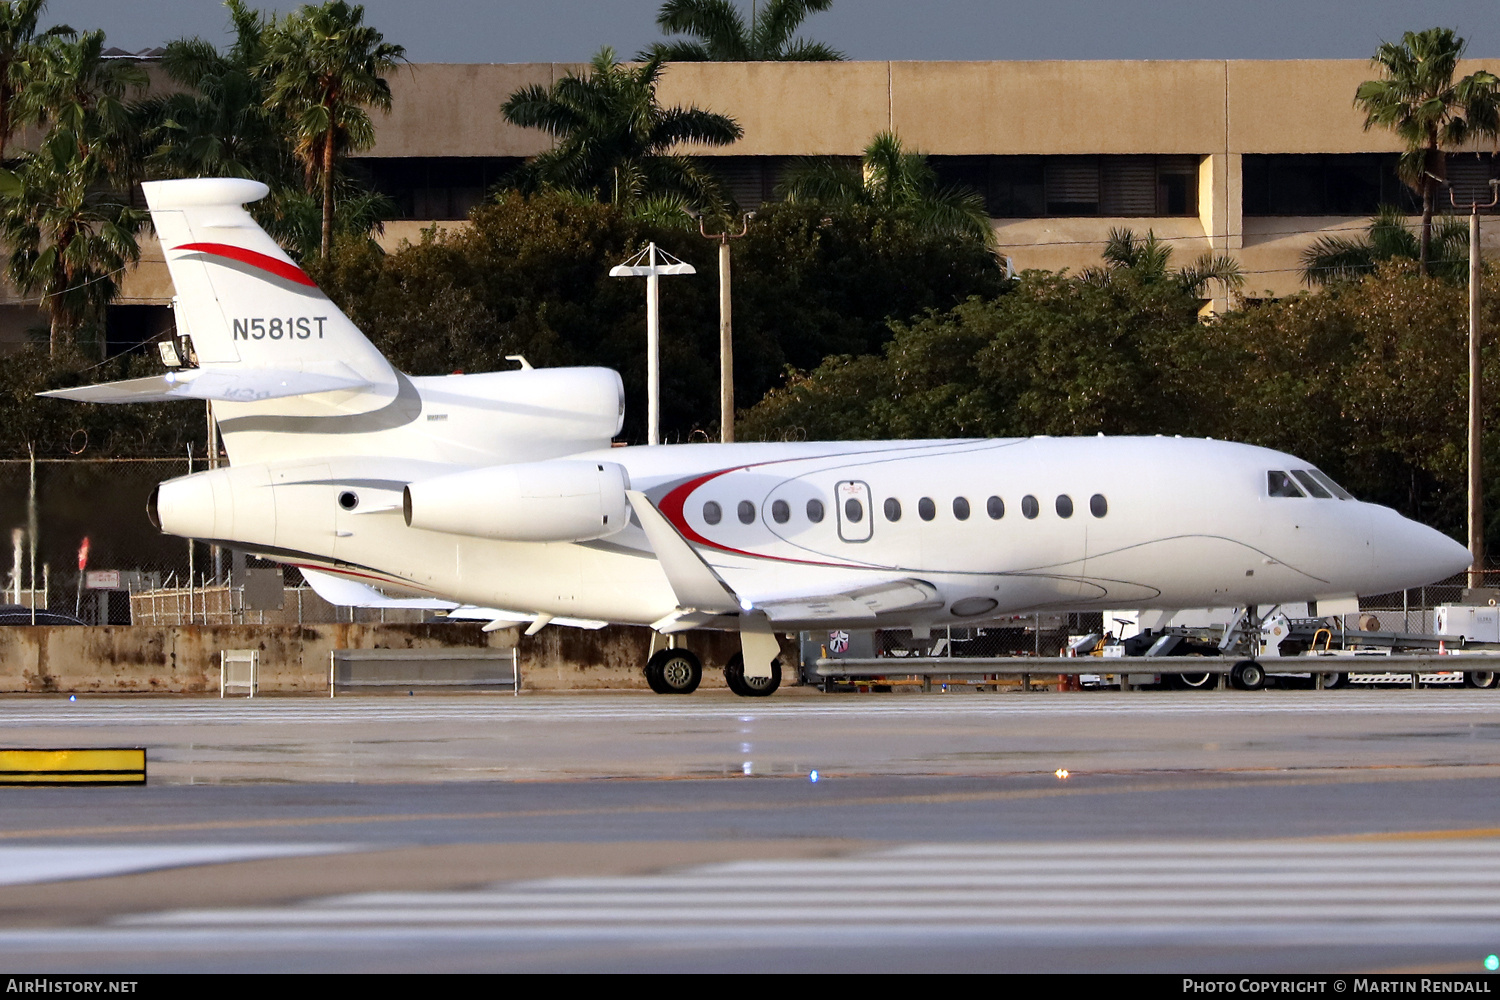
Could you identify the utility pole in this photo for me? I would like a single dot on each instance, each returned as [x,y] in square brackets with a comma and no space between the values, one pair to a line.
[644,264]
[726,329]
[1476,459]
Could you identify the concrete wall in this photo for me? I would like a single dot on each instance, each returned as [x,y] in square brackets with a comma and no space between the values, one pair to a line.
[184,659]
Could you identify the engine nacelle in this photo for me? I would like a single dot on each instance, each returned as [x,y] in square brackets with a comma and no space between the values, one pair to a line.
[559,501]
[235,503]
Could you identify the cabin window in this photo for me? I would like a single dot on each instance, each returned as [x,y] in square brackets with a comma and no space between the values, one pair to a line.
[995,508]
[348,500]
[926,509]
[712,512]
[781,512]
[815,511]
[1064,505]
[854,511]
[746,512]
[1311,485]
[1029,507]
[1098,506]
[892,509]
[961,508]
[1279,484]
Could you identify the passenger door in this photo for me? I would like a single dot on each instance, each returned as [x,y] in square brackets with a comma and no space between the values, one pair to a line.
[856,521]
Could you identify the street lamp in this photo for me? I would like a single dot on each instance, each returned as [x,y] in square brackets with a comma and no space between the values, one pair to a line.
[1476,467]
[644,264]
[726,333]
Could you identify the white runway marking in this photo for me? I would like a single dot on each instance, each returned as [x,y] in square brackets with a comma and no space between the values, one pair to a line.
[21,865]
[1298,891]
[504,709]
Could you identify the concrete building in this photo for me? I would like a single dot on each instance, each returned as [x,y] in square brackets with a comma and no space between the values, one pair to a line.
[1252,158]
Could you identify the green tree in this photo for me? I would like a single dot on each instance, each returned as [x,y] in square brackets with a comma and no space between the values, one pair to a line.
[894,181]
[220,125]
[530,276]
[720,33]
[1388,237]
[20,48]
[1149,260]
[325,65]
[614,139]
[1053,356]
[1418,99]
[77,89]
[69,233]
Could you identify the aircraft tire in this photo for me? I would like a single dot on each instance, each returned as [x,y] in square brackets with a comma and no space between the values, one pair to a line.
[1248,675]
[674,671]
[1337,680]
[1479,678]
[1193,682]
[750,687]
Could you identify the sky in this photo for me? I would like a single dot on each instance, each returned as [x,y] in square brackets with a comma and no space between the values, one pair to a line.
[487,31]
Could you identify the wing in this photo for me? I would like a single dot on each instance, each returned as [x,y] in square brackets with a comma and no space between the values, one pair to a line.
[703,595]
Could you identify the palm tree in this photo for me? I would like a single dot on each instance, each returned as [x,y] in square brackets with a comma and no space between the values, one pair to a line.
[892,180]
[723,36]
[1418,100]
[325,66]
[1149,259]
[19,48]
[614,140]
[77,89]
[1337,258]
[220,126]
[69,234]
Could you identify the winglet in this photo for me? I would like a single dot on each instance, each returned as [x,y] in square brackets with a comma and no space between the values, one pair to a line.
[694,582]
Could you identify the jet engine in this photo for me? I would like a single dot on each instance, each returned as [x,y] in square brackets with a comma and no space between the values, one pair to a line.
[558,501]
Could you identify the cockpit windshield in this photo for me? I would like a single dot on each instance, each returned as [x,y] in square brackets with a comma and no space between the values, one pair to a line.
[1279,484]
[1304,483]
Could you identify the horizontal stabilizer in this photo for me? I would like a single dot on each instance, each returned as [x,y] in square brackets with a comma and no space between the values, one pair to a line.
[237,385]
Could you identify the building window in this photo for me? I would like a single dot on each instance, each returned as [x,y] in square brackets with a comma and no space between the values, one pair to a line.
[436,188]
[1022,187]
[1324,184]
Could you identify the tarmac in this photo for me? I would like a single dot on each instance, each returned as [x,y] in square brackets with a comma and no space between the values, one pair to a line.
[1276,831]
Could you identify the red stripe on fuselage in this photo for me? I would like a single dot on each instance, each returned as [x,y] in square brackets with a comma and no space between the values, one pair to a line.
[280,268]
[672,504]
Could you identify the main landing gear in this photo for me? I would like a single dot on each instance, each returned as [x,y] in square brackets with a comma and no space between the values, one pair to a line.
[678,671]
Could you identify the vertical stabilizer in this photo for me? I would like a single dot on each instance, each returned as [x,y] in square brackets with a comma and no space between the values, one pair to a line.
[241,299]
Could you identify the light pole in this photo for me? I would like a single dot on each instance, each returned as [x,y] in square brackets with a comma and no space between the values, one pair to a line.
[644,264]
[726,331]
[1476,459]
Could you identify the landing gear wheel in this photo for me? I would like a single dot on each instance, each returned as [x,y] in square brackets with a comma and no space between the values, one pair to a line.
[1334,680]
[674,671]
[1248,675]
[750,687]
[1479,679]
[1193,682]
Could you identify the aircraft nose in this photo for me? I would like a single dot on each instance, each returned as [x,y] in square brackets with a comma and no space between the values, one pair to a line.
[1413,555]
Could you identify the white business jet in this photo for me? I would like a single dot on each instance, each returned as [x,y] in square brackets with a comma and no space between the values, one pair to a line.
[499,496]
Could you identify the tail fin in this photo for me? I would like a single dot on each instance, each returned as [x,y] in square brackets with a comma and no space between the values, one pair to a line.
[243,301]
